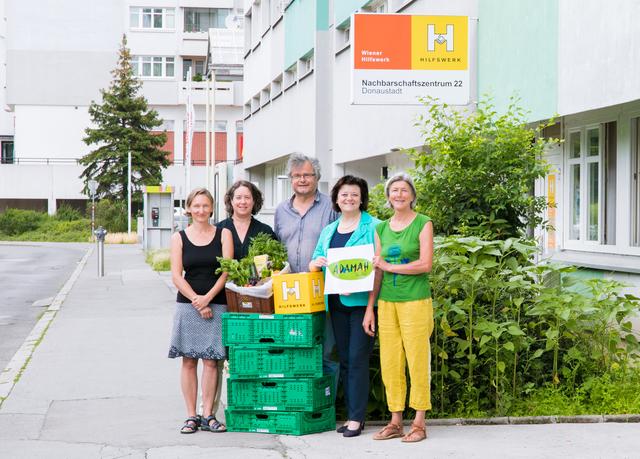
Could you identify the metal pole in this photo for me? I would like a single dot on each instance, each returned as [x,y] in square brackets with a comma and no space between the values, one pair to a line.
[129,193]
[93,213]
[206,134]
[100,258]
[100,235]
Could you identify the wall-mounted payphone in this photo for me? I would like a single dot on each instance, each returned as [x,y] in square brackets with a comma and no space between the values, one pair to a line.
[155,216]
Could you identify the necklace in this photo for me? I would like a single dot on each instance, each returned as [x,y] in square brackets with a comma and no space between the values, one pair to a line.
[345,227]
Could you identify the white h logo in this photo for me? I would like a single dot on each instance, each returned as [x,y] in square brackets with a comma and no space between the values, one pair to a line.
[286,291]
[433,37]
[316,287]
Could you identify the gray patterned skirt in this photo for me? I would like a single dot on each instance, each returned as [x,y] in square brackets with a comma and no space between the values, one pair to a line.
[196,337]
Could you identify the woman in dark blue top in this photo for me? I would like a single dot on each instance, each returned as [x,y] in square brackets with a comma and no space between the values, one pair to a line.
[243,201]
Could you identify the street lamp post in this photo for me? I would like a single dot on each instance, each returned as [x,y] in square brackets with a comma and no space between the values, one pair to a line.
[93,187]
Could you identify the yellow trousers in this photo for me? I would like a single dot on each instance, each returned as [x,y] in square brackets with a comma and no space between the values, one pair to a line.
[404,329]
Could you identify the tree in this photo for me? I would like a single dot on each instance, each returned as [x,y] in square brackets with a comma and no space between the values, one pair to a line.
[123,124]
[477,172]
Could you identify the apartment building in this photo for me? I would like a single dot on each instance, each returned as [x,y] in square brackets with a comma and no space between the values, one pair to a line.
[575,65]
[297,93]
[60,54]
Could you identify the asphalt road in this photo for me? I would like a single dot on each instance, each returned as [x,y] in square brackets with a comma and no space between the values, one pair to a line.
[30,272]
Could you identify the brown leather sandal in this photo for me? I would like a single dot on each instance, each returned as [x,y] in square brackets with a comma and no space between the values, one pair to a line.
[416,434]
[388,432]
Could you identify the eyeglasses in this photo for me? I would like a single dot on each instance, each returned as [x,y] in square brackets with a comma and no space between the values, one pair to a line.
[302,176]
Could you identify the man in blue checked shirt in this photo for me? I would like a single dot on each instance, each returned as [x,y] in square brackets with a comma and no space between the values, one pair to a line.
[298,223]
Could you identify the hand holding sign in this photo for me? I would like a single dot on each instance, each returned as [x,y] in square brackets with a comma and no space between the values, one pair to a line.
[349,269]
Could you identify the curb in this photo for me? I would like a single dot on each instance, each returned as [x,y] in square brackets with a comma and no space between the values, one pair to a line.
[10,375]
[520,420]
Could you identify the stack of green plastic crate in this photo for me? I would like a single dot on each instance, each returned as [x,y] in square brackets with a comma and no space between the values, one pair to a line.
[275,380]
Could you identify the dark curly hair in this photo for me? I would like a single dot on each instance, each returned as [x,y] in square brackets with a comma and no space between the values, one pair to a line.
[255,193]
[351,180]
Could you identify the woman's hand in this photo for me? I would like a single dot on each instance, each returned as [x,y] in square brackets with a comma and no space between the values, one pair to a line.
[200,302]
[380,263]
[206,313]
[317,264]
[369,322]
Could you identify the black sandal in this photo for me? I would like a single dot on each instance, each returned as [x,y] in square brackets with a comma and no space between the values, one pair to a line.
[215,427]
[190,425]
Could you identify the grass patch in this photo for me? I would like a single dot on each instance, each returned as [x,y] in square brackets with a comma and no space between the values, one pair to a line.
[25,225]
[615,392]
[121,238]
[159,260]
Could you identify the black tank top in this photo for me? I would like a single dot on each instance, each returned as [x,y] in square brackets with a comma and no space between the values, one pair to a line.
[200,264]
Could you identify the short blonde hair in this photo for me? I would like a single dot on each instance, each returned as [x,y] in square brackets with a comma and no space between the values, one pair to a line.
[401,177]
[197,192]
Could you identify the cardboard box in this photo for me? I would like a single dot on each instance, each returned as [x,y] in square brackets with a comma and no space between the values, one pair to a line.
[298,293]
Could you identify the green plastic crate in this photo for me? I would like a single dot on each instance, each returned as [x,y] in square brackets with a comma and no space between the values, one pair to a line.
[247,362]
[283,330]
[281,422]
[301,394]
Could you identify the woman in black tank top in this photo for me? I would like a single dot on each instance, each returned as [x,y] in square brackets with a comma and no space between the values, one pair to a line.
[197,324]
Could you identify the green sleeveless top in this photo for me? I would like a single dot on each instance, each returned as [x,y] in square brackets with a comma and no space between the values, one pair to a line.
[402,247]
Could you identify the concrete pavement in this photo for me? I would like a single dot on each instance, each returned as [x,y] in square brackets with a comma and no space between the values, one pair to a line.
[99,385]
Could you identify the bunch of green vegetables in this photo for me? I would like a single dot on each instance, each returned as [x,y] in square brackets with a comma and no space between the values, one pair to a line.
[243,272]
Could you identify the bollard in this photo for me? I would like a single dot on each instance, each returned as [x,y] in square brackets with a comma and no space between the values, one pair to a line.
[100,235]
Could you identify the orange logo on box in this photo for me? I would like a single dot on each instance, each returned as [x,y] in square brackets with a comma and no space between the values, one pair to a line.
[404,42]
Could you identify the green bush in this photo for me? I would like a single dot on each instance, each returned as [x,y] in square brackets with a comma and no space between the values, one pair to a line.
[476,174]
[505,325]
[377,203]
[17,221]
[67,213]
[111,215]
[53,230]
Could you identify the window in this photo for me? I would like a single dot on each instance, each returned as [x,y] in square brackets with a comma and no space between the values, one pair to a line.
[290,76]
[152,18]
[343,36]
[203,19]
[196,66]
[6,156]
[220,125]
[305,64]
[153,66]
[376,6]
[276,87]
[635,182]
[591,166]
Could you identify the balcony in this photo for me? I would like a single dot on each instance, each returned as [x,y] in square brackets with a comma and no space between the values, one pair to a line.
[223,96]
[226,47]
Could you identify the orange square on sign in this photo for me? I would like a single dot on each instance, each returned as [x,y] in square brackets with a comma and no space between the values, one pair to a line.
[382,41]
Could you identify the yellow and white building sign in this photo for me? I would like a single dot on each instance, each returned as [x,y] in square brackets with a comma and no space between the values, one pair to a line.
[398,59]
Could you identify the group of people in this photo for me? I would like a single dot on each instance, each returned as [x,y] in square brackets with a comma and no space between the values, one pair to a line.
[309,223]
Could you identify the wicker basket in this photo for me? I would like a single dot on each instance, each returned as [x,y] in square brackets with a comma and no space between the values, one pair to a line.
[247,303]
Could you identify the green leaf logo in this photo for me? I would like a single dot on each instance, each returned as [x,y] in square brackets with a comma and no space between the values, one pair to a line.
[354,269]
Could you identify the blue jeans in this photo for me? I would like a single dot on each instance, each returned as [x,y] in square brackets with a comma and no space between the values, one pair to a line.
[354,349]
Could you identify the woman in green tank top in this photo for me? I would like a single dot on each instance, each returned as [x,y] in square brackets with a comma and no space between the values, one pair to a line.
[404,253]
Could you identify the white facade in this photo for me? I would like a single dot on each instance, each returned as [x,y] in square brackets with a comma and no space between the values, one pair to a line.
[60,54]
[306,108]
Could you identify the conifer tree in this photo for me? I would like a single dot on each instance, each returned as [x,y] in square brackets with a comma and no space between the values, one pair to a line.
[122,124]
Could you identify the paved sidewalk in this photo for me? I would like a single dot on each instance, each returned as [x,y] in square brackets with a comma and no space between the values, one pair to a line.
[99,385]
